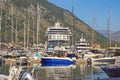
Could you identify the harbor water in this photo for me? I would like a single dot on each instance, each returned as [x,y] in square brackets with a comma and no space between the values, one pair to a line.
[71,72]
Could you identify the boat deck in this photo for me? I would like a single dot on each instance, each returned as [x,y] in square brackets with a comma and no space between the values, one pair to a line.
[118,78]
[3,77]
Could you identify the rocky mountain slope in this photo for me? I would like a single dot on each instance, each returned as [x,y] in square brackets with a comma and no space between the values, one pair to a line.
[116,36]
[20,19]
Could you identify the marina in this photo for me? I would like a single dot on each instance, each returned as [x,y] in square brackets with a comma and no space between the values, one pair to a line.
[40,41]
[79,70]
[58,60]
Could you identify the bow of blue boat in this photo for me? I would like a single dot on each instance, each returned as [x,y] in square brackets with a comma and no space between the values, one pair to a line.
[56,61]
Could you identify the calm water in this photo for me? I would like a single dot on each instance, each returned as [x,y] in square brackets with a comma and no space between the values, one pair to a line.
[71,72]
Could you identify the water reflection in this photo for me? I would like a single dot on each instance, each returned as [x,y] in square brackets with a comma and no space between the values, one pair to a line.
[4,69]
[55,73]
[72,72]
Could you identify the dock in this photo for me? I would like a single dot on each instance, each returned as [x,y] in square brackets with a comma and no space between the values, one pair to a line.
[9,61]
[81,62]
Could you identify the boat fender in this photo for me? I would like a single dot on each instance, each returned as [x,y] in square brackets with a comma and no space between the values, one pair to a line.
[74,60]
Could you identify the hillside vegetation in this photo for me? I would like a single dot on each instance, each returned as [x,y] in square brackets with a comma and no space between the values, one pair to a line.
[20,21]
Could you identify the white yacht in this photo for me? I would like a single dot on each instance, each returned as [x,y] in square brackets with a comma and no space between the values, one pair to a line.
[83,45]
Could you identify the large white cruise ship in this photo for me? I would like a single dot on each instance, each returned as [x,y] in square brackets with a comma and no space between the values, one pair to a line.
[57,36]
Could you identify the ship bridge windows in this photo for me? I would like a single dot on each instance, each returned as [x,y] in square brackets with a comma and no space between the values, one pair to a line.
[58,29]
[53,44]
[58,37]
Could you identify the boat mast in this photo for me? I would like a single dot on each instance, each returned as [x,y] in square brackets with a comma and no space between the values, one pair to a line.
[38,22]
[28,31]
[109,33]
[33,24]
[1,23]
[28,25]
[109,26]
[94,26]
[12,24]
[73,36]
[16,38]
[24,34]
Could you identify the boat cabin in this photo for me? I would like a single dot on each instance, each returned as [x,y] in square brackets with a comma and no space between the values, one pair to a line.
[114,50]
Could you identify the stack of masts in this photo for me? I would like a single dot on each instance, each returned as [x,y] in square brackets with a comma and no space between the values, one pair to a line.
[14,25]
[27,26]
[26,35]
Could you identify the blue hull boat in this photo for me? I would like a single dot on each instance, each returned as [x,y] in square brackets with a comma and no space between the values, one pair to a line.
[56,61]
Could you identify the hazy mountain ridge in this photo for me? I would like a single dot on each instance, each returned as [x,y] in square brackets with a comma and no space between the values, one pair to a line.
[115,35]
[103,32]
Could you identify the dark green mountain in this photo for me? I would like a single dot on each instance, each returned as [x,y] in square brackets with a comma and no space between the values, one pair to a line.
[21,15]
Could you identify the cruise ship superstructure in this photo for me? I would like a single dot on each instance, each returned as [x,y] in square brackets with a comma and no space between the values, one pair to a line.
[57,36]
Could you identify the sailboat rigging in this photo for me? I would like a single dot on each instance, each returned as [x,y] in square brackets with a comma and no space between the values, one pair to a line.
[109,26]
[16,30]
[38,22]
[72,30]
[12,33]
[94,26]
[1,22]
[24,35]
